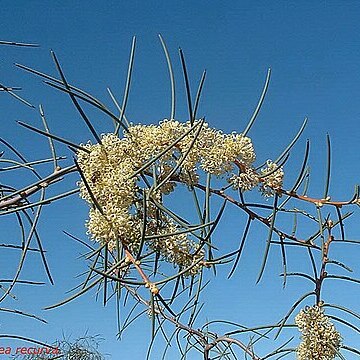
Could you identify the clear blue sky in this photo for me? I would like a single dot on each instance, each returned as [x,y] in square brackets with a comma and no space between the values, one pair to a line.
[313,51]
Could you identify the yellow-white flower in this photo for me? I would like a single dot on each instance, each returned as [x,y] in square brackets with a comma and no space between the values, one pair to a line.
[108,168]
[320,339]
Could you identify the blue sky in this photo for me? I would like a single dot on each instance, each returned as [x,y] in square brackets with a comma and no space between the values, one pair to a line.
[313,51]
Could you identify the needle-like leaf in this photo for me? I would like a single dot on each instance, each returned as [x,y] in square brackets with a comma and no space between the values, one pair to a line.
[187,86]
[172,78]
[268,242]
[328,166]
[127,84]
[258,106]
[21,44]
[55,137]
[73,98]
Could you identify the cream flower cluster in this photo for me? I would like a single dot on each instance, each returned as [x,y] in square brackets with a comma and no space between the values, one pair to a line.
[106,169]
[320,339]
[109,167]
[178,249]
[269,179]
[247,180]
[272,176]
[212,151]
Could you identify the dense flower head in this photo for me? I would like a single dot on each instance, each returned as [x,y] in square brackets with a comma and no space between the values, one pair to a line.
[320,339]
[272,176]
[214,151]
[175,247]
[246,180]
[174,152]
